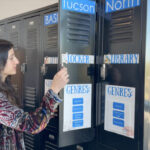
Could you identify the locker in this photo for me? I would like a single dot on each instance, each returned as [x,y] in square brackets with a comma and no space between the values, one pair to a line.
[31,69]
[49,54]
[77,41]
[31,30]
[51,49]
[121,34]
[3,34]
[13,29]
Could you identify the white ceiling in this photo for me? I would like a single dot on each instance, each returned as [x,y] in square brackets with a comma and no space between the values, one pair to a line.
[10,8]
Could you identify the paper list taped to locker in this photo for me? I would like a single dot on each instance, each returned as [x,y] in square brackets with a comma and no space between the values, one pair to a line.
[120,110]
[77,107]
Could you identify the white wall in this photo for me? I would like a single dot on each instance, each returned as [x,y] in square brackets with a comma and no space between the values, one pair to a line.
[10,8]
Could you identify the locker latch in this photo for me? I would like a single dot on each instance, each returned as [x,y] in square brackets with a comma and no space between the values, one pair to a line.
[52,137]
[78,147]
[24,68]
[43,69]
[91,70]
[103,71]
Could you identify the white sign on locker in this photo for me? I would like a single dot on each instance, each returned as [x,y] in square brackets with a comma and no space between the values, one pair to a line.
[121,59]
[77,59]
[77,106]
[120,110]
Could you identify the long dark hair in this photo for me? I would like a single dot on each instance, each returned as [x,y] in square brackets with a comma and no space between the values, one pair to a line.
[6,87]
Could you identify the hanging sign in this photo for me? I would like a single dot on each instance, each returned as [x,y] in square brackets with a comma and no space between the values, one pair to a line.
[77,106]
[116,5]
[82,6]
[121,59]
[51,19]
[120,110]
[77,59]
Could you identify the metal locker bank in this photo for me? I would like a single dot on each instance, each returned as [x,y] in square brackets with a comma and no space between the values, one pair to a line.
[105,46]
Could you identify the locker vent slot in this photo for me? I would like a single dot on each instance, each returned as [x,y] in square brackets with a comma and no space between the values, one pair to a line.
[32,39]
[52,38]
[78,26]
[14,39]
[30,97]
[1,33]
[53,124]
[121,26]
[29,141]
[49,145]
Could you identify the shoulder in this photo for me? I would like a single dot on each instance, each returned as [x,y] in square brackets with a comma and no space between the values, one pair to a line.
[2,96]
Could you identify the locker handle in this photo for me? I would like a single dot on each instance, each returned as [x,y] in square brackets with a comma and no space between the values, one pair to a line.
[103,72]
[91,70]
[51,136]
[78,147]
[43,69]
[24,68]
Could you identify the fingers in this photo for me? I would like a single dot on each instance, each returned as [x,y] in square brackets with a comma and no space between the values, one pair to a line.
[67,75]
[60,79]
[63,73]
[55,110]
[129,131]
[64,69]
[55,113]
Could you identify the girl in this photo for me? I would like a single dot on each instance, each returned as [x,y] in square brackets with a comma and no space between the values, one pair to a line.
[13,120]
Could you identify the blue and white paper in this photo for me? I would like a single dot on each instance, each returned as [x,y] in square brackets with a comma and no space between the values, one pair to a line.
[77,106]
[120,110]
[77,59]
[121,59]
